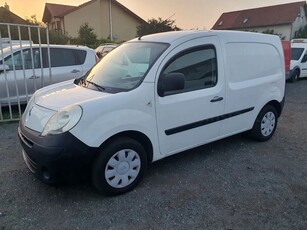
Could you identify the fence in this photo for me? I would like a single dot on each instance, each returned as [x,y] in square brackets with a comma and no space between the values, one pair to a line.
[21,66]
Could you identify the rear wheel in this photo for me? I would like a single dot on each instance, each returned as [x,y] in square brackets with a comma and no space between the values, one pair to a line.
[265,124]
[119,167]
[295,76]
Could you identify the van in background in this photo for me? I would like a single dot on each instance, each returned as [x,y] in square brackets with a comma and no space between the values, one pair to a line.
[298,64]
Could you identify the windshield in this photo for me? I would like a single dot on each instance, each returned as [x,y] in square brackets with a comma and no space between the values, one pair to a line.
[296,53]
[125,67]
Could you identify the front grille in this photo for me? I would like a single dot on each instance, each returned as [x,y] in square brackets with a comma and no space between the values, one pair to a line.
[25,140]
[29,162]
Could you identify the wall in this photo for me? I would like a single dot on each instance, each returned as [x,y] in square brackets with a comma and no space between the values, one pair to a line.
[87,14]
[299,22]
[96,14]
[124,25]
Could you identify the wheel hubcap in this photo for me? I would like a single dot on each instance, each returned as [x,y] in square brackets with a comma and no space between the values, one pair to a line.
[123,168]
[268,124]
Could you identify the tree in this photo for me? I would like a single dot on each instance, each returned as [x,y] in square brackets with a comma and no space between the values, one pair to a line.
[87,36]
[33,21]
[268,31]
[301,33]
[156,26]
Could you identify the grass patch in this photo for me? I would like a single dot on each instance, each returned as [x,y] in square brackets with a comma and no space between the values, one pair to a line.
[13,114]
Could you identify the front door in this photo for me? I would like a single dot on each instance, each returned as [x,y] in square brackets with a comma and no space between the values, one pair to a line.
[22,78]
[191,117]
[304,65]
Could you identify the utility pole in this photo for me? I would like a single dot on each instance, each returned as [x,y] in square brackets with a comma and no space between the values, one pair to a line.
[110,20]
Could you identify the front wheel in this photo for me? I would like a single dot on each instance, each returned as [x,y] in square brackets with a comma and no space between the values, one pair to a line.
[119,166]
[265,124]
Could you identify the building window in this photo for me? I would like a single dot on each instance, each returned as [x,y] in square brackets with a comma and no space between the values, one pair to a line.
[58,25]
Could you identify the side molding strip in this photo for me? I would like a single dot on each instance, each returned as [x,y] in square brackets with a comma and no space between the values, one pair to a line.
[206,122]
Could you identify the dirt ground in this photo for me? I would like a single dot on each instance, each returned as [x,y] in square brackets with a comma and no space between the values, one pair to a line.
[235,183]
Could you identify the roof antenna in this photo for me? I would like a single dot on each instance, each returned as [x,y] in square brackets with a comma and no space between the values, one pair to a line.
[139,38]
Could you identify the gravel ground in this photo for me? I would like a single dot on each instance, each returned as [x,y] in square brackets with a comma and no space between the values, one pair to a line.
[235,183]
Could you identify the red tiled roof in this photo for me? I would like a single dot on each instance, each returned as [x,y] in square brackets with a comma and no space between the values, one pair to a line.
[7,16]
[259,17]
[55,10]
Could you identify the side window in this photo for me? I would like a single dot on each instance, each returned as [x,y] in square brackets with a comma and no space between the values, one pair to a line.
[198,65]
[80,56]
[63,57]
[304,59]
[27,58]
[15,60]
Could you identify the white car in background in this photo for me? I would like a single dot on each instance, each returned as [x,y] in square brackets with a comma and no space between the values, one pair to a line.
[104,49]
[25,70]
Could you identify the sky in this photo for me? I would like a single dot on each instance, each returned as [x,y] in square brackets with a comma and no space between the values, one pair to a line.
[192,14]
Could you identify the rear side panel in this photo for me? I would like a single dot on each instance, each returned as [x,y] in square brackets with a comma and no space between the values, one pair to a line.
[255,75]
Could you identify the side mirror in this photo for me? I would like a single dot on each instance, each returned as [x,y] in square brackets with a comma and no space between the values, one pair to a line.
[170,82]
[3,68]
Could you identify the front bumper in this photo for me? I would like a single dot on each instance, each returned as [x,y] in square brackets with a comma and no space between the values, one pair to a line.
[55,159]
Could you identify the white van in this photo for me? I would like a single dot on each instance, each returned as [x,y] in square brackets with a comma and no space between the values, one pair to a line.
[298,64]
[150,98]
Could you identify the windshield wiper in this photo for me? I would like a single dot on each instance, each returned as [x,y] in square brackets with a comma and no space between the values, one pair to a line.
[99,87]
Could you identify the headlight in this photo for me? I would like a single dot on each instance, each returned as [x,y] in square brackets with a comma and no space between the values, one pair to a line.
[63,121]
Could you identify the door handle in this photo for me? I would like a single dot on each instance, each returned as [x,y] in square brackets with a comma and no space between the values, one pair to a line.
[75,71]
[34,77]
[216,99]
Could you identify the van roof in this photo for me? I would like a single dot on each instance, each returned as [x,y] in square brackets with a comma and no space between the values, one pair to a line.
[169,37]
[298,45]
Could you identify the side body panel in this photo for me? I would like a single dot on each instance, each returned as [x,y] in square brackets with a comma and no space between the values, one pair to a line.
[255,75]
[190,118]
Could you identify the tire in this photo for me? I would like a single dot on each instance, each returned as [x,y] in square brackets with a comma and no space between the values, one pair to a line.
[295,76]
[265,124]
[119,167]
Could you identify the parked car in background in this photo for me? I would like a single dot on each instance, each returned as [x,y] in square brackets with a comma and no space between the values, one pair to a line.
[104,49]
[298,66]
[6,42]
[286,45]
[22,71]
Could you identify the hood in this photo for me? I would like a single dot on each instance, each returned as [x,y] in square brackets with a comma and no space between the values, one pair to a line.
[47,101]
[64,94]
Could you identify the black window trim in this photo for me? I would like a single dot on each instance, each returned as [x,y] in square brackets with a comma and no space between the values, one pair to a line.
[184,52]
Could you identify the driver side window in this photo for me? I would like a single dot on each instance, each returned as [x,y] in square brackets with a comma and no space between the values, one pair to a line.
[304,59]
[198,65]
[23,58]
